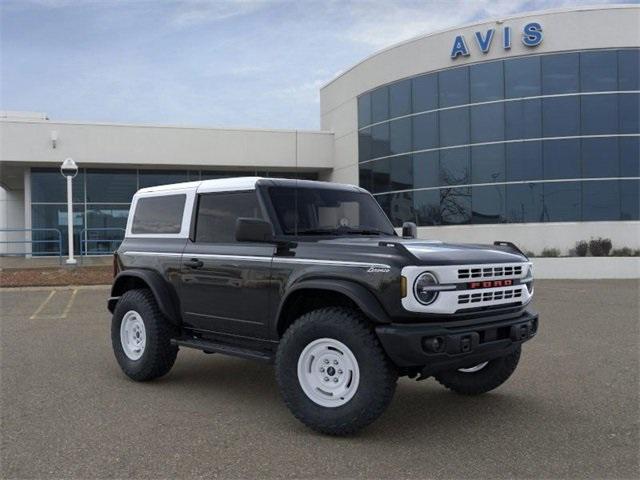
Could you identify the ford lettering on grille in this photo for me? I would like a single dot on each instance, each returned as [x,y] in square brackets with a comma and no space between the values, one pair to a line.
[490,284]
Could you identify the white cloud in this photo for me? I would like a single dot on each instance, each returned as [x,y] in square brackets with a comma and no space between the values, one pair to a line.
[194,12]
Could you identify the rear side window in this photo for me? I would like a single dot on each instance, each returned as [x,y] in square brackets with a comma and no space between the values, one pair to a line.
[218,212]
[159,214]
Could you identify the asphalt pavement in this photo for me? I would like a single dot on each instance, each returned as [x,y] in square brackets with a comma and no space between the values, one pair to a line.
[571,410]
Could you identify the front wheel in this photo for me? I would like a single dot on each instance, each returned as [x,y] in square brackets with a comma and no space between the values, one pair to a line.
[332,371]
[480,378]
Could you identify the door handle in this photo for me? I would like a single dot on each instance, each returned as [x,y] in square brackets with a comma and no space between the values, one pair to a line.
[194,263]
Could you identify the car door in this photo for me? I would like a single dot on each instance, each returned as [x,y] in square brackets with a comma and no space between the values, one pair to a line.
[225,285]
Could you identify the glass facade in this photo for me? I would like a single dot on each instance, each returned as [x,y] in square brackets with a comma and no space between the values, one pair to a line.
[544,138]
[101,201]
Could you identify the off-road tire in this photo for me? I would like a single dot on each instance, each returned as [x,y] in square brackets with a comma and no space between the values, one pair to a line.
[159,354]
[494,374]
[378,376]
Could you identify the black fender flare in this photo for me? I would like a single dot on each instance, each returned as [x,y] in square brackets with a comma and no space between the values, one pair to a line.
[361,296]
[163,293]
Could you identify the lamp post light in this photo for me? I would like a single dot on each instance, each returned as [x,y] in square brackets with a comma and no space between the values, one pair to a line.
[69,169]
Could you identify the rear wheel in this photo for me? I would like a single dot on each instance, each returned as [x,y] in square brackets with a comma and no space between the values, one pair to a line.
[480,378]
[141,336]
[332,371]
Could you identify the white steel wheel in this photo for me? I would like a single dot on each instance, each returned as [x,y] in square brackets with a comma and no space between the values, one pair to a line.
[133,336]
[328,372]
[475,368]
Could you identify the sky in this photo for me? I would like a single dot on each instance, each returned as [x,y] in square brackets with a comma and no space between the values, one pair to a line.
[230,63]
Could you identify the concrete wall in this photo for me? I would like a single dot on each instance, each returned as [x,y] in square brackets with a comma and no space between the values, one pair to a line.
[587,268]
[157,146]
[11,216]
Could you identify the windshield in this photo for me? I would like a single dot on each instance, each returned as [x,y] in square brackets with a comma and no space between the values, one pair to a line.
[323,211]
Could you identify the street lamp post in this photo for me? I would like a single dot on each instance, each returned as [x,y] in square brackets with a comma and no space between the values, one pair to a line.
[69,169]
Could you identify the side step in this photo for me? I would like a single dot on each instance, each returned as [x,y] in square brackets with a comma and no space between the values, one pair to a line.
[215,347]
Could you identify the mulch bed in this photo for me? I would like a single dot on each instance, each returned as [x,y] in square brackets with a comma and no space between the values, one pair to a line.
[56,276]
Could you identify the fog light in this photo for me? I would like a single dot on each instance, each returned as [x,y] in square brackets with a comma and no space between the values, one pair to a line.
[433,344]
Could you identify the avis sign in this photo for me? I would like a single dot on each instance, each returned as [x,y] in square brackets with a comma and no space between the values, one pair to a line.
[531,37]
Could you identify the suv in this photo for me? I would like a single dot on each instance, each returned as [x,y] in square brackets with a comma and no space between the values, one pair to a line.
[312,276]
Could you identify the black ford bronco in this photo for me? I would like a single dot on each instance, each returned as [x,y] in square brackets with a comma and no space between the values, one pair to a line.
[312,276]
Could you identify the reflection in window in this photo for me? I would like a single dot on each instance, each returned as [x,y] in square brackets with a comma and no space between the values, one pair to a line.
[629,199]
[111,186]
[427,207]
[599,114]
[105,228]
[401,208]
[487,82]
[454,127]
[425,131]
[560,73]
[561,159]
[488,204]
[454,167]
[48,185]
[366,176]
[629,112]
[400,99]
[599,157]
[426,168]
[380,140]
[381,175]
[487,164]
[523,119]
[561,116]
[364,144]
[562,201]
[454,87]
[364,110]
[599,71]
[380,104]
[629,156]
[629,69]
[400,135]
[425,92]
[522,77]
[55,217]
[523,161]
[600,200]
[401,173]
[151,179]
[524,203]
[487,123]
[455,205]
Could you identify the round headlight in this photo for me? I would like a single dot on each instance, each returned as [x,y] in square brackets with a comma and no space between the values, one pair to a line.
[423,288]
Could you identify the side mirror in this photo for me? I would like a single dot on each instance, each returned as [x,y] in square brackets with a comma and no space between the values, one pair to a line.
[409,230]
[253,230]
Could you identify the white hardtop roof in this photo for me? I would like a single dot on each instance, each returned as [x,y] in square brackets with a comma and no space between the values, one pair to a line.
[232,184]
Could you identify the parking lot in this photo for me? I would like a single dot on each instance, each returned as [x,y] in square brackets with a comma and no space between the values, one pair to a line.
[570,410]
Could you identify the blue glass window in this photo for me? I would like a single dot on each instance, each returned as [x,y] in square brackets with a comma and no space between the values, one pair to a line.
[599,157]
[400,98]
[487,164]
[599,71]
[560,73]
[629,112]
[599,114]
[455,167]
[364,110]
[381,176]
[455,205]
[364,144]
[524,203]
[425,131]
[401,208]
[630,156]
[488,204]
[629,199]
[53,216]
[111,186]
[629,69]
[523,161]
[48,185]
[562,201]
[487,82]
[600,200]
[160,177]
[454,87]
[426,205]
[454,127]
[522,77]
[487,123]
[401,172]
[426,169]
[380,104]
[380,140]
[366,176]
[400,135]
[425,93]
[523,119]
[561,116]
[561,159]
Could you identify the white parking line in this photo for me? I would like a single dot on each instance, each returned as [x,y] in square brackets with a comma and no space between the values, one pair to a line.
[42,305]
[36,315]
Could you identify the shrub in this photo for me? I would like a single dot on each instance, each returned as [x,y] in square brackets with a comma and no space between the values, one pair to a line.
[622,252]
[636,252]
[550,252]
[529,254]
[600,247]
[582,248]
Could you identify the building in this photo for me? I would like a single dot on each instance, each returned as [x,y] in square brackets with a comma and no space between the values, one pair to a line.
[523,129]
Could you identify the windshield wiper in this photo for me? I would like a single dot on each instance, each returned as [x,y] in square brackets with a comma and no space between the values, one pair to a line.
[364,231]
[317,231]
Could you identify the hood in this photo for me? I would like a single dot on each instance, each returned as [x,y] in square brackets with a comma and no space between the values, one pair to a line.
[433,252]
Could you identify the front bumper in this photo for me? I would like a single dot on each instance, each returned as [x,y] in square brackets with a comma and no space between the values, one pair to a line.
[456,344]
